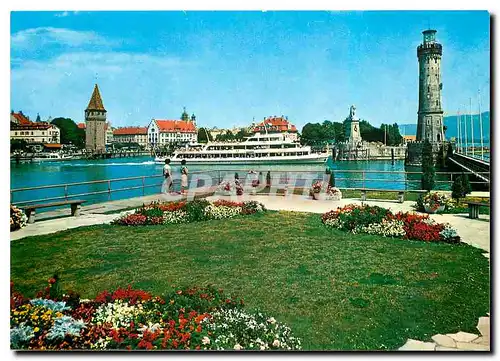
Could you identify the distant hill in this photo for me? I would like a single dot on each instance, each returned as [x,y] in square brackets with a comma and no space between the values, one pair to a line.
[451,122]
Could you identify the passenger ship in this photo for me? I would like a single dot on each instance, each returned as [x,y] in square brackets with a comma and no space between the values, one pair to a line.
[258,149]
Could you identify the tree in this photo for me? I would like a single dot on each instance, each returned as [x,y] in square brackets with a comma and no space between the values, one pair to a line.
[331,177]
[70,133]
[461,187]
[202,136]
[428,170]
[18,144]
[38,118]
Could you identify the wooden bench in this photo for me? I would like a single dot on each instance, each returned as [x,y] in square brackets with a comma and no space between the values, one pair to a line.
[401,193]
[31,210]
[474,208]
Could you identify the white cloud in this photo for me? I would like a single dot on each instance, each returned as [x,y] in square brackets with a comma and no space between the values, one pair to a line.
[35,38]
[134,86]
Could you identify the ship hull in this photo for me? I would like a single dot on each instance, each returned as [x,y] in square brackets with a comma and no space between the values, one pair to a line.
[248,161]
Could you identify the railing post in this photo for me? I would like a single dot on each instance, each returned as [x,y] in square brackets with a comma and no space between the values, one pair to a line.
[364,176]
[11,197]
[143,181]
[66,192]
[109,190]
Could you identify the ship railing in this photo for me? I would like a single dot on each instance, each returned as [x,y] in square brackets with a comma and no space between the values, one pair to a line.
[98,191]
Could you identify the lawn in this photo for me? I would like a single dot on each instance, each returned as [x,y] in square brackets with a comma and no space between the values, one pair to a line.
[337,291]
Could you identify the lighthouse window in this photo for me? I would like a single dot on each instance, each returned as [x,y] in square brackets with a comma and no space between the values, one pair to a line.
[428,88]
[437,102]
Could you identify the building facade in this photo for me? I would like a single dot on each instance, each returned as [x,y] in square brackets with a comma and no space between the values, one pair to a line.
[162,132]
[276,124]
[126,135]
[95,122]
[22,128]
[430,111]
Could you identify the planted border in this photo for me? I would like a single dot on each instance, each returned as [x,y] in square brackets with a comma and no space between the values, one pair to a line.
[186,212]
[381,221]
[184,318]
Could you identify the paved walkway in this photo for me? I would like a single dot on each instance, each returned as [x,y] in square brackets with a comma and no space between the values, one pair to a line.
[460,341]
[475,232]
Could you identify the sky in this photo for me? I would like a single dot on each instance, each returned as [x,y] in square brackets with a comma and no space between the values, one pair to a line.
[230,68]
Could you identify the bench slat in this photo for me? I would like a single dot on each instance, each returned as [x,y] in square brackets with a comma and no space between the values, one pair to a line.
[54,204]
[478,204]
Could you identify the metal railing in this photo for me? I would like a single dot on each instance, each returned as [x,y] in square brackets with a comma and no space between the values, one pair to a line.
[112,186]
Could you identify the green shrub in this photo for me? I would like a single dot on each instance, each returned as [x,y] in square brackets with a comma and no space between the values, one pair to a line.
[331,178]
[461,187]
[196,210]
[429,173]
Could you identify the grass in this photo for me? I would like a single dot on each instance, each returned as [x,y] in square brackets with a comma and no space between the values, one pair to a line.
[349,193]
[336,291]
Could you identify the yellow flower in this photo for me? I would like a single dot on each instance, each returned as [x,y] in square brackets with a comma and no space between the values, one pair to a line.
[16,313]
[172,302]
[36,329]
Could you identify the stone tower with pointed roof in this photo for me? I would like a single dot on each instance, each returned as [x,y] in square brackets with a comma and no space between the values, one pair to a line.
[95,124]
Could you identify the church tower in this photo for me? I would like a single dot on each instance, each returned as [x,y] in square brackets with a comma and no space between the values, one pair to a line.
[95,124]
[430,111]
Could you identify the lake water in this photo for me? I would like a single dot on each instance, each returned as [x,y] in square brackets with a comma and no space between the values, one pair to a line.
[43,174]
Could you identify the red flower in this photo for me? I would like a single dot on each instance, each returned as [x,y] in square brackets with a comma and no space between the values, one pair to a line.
[52,280]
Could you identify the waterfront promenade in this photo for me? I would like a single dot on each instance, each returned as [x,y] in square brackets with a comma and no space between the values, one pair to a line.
[475,232]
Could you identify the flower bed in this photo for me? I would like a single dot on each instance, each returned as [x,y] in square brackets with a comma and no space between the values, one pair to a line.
[230,188]
[185,212]
[184,318]
[433,202]
[17,218]
[330,193]
[381,221]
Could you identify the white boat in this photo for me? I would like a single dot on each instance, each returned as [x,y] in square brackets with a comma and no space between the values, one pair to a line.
[257,149]
[50,157]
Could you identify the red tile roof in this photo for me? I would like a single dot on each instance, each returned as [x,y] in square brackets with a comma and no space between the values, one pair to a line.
[174,126]
[52,145]
[130,131]
[21,119]
[96,101]
[275,124]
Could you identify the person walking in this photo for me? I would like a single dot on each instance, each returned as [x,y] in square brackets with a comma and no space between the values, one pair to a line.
[167,177]
[184,177]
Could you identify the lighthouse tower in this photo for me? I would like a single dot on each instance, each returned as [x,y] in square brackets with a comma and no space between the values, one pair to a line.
[95,122]
[430,111]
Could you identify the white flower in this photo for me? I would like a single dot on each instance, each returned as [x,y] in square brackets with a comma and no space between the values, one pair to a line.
[238,347]
[205,340]
[276,343]
[272,321]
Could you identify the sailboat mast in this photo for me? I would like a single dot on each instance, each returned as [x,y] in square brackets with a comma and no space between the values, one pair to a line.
[480,124]
[471,126]
[466,140]
[458,132]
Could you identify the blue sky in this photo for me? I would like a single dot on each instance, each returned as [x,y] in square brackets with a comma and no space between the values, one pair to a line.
[231,67]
